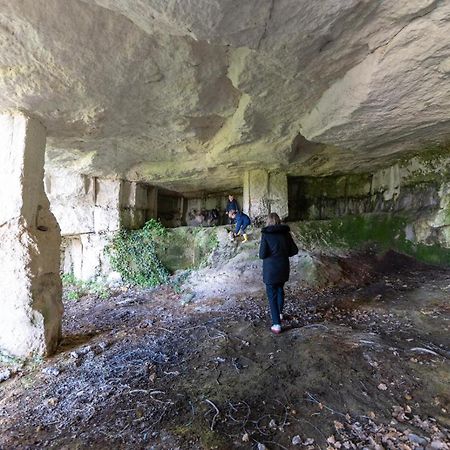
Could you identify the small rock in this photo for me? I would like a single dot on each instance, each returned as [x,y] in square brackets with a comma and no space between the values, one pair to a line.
[261,446]
[85,350]
[51,371]
[296,440]
[245,437]
[417,439]
[309,441]
[272,424]
[114,278]
[5,374]
[102,345]
[382,387]
[438,445]
[53,401]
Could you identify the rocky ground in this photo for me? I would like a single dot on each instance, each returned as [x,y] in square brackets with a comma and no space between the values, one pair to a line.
[360,366]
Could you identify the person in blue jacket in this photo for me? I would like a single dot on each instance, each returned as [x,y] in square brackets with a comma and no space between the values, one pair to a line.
[242,222]
[275,249]
[232,205]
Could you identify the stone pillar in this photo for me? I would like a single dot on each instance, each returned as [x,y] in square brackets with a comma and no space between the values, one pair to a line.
[134,205]
[152,202]
[30,285]
[265,192]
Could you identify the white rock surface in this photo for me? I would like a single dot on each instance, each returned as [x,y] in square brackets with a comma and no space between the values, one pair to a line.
[265,192]
[30,285]
[191,93]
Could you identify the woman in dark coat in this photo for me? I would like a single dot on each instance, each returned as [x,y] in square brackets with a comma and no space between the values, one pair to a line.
[276,247]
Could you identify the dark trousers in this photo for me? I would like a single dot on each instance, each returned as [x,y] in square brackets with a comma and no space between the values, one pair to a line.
[275,294]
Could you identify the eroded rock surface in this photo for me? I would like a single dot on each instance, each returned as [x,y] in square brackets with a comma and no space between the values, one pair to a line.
[190,94]
[30,285]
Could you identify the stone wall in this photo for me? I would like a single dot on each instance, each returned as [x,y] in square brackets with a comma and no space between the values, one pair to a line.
[417,188]
[171,208]
[89,210]
[265,192]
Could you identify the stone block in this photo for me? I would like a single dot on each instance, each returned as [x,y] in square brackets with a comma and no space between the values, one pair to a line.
[72,200]
[152,202]
[132,218]
[30,286]
[106,219]
[94,261]
[134,195]
[265,192]
[278,194]
[84,256]
[107,193]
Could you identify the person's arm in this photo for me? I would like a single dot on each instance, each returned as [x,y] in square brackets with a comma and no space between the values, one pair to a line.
[293,249]
[263,248]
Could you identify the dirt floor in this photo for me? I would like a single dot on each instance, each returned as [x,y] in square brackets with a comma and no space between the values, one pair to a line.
[364,366]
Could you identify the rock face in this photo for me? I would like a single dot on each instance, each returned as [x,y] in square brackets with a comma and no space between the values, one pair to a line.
[191,94]
[416,189]
[265,192]
[30,285]
[89,210]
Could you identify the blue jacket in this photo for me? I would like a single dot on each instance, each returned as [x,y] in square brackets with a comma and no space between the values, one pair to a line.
[275,249]
[232,206]
[242,221]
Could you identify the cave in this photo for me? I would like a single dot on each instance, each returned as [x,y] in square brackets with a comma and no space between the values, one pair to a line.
[135,311]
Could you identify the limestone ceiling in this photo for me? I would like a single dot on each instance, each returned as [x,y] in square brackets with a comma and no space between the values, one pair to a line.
[190,93]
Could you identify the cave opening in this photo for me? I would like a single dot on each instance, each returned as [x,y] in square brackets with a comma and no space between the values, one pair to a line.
[134,315]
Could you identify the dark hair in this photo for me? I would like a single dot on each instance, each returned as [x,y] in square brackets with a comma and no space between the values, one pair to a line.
[273,219]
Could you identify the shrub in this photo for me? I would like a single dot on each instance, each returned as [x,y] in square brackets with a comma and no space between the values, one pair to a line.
[132,253]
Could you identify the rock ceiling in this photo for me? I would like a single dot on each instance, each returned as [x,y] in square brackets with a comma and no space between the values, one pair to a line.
[190,93]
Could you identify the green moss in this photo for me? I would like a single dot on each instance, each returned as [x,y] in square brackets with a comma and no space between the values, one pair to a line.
[186,247]
[358,185]
[435,162]
[381,231]
[429,155]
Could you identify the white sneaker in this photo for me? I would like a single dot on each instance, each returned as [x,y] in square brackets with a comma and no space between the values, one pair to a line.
[276,329]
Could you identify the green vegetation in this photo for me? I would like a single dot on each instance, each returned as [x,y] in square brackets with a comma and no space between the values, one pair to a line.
[186,247]
[75,289]
[133,254]
[380,231]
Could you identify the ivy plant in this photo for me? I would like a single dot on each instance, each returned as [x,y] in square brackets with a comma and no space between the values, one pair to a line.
[132,253]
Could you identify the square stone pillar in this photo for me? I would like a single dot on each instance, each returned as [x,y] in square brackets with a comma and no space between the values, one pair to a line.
[265,192]
[30,285]
[152,202]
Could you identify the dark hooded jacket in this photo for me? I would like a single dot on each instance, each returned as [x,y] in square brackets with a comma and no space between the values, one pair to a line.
[275,249]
